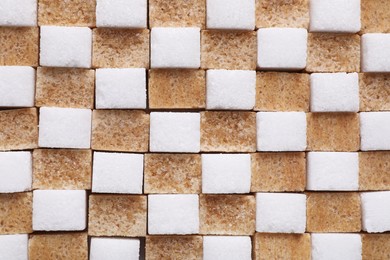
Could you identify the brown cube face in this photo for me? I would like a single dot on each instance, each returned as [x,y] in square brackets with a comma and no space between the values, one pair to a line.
[117,215]
[120,48]
[227,214]
[173,89]
[375,16]
[338,132]
[120,130]
[374,170]
[228,131]
[16,213]
[174,247]
[374,91]
[376,246]
[333,212]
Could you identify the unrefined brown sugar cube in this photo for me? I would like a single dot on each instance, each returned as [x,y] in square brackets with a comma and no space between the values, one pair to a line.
[16,213]
[374,91]
[374,170]
[174,247]
[375,15]
[376,246]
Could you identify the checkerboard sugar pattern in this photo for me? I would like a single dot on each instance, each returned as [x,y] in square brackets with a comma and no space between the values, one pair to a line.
[197,129]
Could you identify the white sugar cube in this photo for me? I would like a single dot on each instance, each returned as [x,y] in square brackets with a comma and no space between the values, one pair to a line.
[375,131]
[226,173]
[120,88]
[281,48]
[121,13]
[114,248]
[173,214]
[15,171]
[281,131]
[117,172]
[14,247]
[231,14]
[65,46]
[227,248]
[175,48]
[231,89]
[376,211]
[280,212]
[174,132]
[64,127]
[375,52]
[335,16]
[334,92]
[18,13]
[59,210]
[326,246]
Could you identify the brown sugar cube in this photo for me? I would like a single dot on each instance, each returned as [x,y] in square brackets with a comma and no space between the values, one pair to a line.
[375,16]
[120,130]
[333,212]
[177,89]
[278,171]
[374,91]
[333,132]
[66,13]
[58,246]
[282,246]
[120,48]
[172,173]
[227,214]
[374,170]
[15,213]
[281,91]
[376,246]
[117,215]
[228,50]
[174,247]
[333,52]
[62,87]
[18,129]
[19,46]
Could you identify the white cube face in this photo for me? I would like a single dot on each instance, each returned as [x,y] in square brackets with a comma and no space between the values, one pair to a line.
[335,16]
[280,212]
[17,86]
[173,214]
[14,247]
[227,247]
[15,171]
[59,210]
[281,131]
[231,14]
[65,127]
[334,92]
[376,211]
[231,89]
[226,173]
[114,248]
[121,13]
[117,173]
[281,48]
[18,13]
[336,246]
[375,131]
[375,52]
[65,46]
[175,48]
[120,88]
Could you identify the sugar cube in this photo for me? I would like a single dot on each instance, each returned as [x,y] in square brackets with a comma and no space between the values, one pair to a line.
[336,246]
[15,171]
[376,211]
[114,248]
[173,214]
[375,52]
[14,247]
[227,248]
[375,131]
[59,210]
[231,89]
[62,46]
[18,13]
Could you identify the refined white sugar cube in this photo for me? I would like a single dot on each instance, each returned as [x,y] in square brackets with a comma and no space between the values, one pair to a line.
[114,248]
[120,88]
[334,92]
[375,131]
[18,13]
[280,212]
[335,16]
[59,210]
[173,214]
[231,14]
[175,48]
[226,173]
[376,211]
[65,46]
[332,171]
[14,247]
[15,171]
[174,132]
[65,127]
[325,246]
[121,13]
[117,172]
[231,89]
[281,48]
[227,248]
[375,52]
[281,131]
